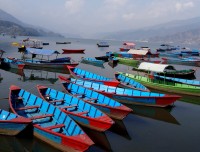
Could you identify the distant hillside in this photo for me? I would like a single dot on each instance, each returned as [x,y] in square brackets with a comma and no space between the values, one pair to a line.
[175,31]
[12,26]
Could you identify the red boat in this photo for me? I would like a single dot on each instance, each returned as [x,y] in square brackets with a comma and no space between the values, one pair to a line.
[71,51]
[111,107]
[130,96]
[127,46]
[83,113]
[89,76]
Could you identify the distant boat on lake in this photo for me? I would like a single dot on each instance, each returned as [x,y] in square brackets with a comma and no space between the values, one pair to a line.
[102,44]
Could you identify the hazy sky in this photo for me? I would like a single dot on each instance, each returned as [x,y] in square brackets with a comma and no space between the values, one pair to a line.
[86,17]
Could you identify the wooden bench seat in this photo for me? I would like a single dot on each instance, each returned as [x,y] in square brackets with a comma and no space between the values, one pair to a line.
[55,126]
[19,98]
[66,107]
[91,99]
[82,113]
[27,107]
[53,101]
[78,95]
[41,116]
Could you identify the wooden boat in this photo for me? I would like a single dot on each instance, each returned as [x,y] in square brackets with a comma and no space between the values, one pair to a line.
[82,112]
[63,42]
[189,61]
[45,43]
[89,76]
[102,44]
[54,63]
[164,47]
[161,85]
[113,60]
[165,70]
[48,64]
[111,107]
[71,51]
[91,60]
[130,96]
[178,80]
[51,125]
[129,62]
[126,82]
[12,124]
[103,58]
[127,46]
[12,63]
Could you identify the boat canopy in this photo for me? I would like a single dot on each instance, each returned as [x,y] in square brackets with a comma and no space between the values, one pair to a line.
[41,51]
[155,67]
[138,52]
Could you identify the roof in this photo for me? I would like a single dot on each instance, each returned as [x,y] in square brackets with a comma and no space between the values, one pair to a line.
[138,52]
[129,44]
[41,51]
[154,67]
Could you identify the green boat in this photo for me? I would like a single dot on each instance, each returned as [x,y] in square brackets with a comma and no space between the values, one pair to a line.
[128,61]
[162,85]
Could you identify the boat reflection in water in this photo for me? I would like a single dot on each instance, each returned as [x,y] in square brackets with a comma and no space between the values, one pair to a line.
[161,114]
[49,75]
[100,140]
[18,144]
[120,129]
[12,144]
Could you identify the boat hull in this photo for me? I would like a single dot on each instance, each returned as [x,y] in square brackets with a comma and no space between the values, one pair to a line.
[46,65]
[145,101]
[71,51]
[15,126]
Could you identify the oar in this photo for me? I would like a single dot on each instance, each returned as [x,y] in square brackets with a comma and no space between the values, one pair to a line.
[4,98]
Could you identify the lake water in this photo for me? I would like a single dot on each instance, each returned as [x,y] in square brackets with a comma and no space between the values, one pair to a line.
[145,130]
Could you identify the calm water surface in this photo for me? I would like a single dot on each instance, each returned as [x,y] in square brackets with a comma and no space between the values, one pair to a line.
[174,129]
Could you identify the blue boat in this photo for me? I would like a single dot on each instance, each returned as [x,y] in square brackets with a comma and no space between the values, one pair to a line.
[12,124]
[82,112]
[190,61]
[12,63]
[130,96]
[89,76]
[93,61]
[126,82]
[50,124]
[184,81]
[111,107]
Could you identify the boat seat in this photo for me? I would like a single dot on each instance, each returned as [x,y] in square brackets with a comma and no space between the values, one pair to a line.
[78,94]
[82,113]
[41,116]
[19,98]
[66,107]
[91,99]
[53,101]
[27,107]
[55,126]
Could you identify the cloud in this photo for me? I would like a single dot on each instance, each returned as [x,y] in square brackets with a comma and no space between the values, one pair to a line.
[128,16]
[182,6]
[74,6]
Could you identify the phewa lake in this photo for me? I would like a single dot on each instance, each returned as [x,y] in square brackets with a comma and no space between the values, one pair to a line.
[146,129]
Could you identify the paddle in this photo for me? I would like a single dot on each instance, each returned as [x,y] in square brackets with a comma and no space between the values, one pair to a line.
[3,98]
